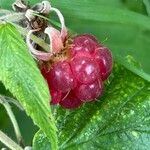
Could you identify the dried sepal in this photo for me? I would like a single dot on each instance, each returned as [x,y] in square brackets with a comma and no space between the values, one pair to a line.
[64,31]
[36,53]
[56,43]
[19,5]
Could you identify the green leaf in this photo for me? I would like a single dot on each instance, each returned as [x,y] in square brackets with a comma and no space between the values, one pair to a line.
[147,5]
[132,65]
[21,76]
[135,5]
[40,142]
[6,3]
[118,120]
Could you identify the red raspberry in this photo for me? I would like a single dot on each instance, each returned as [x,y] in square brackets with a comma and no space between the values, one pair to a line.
[85,69]
[104,58]
[60,77]
[86,44]
[55,97]
[71,101]
[89,92]
[81,76]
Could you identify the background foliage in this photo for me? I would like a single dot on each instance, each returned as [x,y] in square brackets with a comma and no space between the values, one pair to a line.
[122,25]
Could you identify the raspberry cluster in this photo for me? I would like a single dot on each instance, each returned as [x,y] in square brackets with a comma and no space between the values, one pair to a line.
[79,78]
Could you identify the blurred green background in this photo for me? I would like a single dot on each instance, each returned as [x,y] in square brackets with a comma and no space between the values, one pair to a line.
[122,25]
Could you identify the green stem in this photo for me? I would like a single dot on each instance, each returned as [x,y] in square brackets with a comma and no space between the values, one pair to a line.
[40,42]
[9,142]
[37,40]
[12,118]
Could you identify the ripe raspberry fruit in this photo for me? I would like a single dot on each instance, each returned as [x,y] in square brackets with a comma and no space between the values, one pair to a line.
[84,44]
[89,92]
[71,101]
[79,78]
[61,77]
[104,58]
[55,97]
[85,69]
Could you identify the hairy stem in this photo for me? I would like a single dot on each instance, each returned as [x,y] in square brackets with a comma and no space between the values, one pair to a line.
[9,142]
[12,118]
